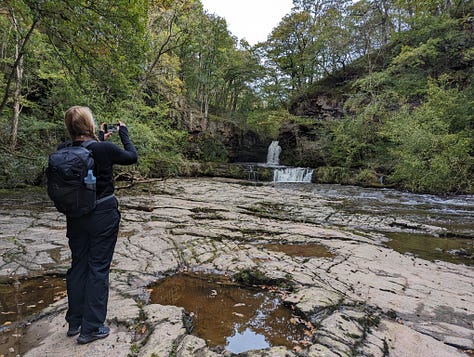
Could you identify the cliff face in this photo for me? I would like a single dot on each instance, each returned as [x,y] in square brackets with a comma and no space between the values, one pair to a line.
[317,106]
[299,140]
[240,145]
[252,148]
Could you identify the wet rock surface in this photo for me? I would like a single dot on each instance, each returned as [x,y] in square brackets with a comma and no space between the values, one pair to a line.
[364,300]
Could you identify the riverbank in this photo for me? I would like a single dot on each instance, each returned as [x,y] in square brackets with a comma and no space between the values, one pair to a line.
[363,299]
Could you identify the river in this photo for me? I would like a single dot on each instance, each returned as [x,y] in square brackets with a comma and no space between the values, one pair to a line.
[387,263]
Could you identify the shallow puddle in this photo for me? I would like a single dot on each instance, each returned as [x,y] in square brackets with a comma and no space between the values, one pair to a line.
[300,250]
[453,250]
[20,299]
[225,314]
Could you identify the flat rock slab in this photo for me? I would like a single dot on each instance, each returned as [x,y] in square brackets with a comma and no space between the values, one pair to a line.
[366,300]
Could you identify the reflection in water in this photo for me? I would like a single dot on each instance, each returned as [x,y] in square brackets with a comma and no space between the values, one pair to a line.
[240,341]
[454,250]
[229,315]
[20,299]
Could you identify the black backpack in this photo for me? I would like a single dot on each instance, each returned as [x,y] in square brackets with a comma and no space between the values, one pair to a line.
[66,171]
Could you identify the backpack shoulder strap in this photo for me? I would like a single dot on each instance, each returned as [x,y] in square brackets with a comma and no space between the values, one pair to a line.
[87,143]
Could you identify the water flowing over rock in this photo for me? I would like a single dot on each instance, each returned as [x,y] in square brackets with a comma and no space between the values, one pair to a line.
[365,299]
[273,157]
[283,173]
[292,174]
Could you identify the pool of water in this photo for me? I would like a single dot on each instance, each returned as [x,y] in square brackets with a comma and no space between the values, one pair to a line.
[20,299]
[229,315]
[453,250]
[453,214]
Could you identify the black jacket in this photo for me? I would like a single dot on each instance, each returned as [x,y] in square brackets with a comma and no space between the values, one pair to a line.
[107,154]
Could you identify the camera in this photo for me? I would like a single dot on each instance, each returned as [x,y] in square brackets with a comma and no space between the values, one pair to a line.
[111,128]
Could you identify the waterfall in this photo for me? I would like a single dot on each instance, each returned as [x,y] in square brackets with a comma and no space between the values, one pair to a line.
[282,173]
[273,155]
[292,174]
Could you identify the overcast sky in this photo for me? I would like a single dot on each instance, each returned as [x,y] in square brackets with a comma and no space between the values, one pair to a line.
[250,19]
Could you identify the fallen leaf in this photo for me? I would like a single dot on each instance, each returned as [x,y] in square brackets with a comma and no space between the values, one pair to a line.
[296,320]
[6,323]
[239,304]
[7,312]
[238,314]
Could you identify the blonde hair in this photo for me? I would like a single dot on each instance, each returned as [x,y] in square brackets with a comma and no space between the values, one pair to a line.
[80,122]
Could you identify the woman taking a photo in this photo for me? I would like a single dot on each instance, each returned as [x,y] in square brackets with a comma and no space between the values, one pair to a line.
[92,237]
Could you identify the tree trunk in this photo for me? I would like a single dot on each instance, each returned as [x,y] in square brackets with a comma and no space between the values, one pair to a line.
[16,105]
[17,93]
[206,105]
[18,58]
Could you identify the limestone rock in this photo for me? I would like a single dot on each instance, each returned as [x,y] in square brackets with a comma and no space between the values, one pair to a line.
[366,298]
[167,325]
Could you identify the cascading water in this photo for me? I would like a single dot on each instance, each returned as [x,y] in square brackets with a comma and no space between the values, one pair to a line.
[292,174]
[273,155]
[282,173]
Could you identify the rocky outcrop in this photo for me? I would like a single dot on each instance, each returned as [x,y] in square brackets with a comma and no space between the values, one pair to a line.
[242,145]
[252,148]
[365,300]
[317,106]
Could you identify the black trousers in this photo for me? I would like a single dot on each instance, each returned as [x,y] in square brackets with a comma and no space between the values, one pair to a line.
[92,241]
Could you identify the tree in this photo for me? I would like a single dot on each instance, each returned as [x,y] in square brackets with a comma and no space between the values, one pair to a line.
[204,59]
[372,26]
[289,46]
[434,142]
[97,43]
[168,30]
[22,26]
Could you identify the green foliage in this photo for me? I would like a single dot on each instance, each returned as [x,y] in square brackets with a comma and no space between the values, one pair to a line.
[434,142]
[207,147]
[408,112]
[25,166]
[411,122]
[267,123]
[330,174]
[355,141]
[159,144]
[367,177]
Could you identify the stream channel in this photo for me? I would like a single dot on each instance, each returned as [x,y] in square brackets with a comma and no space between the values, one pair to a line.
[430,227]
[453,215]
